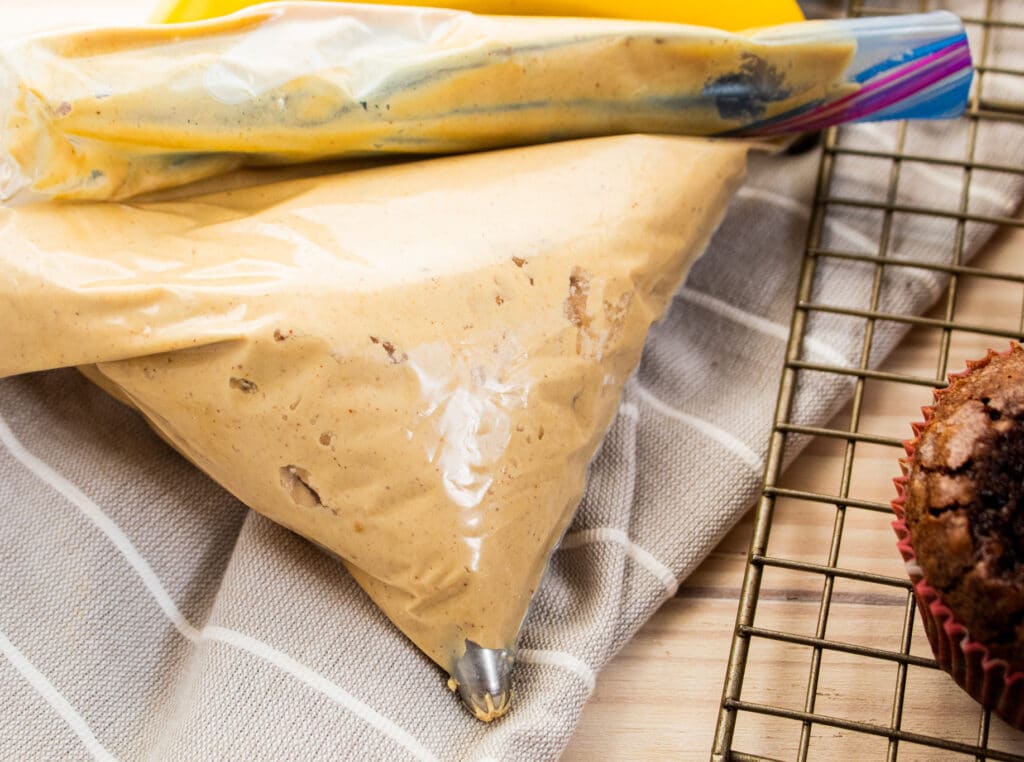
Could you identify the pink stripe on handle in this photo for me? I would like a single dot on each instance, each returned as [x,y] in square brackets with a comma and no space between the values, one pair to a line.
[961,57]
[884,99]
[927,79]
[877,101]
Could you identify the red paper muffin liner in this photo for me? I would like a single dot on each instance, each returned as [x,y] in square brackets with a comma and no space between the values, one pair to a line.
[988,680]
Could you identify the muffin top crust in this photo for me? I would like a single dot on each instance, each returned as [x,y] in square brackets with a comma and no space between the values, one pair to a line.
[964,501]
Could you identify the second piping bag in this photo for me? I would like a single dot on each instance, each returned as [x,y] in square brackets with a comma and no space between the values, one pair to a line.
[110,113]
[411,366]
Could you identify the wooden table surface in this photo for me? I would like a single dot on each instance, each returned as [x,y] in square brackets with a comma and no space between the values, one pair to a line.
[659,697]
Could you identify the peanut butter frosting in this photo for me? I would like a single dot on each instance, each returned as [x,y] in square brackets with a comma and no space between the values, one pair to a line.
[114,112]
[411,366]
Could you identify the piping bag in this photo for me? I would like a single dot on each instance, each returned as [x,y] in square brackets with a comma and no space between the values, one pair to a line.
[412,366]
[110,113]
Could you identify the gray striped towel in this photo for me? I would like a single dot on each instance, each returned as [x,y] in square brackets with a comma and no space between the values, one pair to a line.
[146,614]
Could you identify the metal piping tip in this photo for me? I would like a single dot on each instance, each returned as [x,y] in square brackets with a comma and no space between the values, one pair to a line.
[483,678]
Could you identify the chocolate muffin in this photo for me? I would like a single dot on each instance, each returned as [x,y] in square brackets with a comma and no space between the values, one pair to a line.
[961,510]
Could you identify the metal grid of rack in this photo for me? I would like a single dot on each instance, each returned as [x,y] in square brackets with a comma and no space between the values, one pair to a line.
[952,332]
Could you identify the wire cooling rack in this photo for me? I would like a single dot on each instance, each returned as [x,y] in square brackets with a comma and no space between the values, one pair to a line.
[923,716]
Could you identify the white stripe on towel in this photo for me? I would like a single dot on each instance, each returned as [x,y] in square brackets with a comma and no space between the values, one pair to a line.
[612,535]
[728,440]
[760,324]
[562,660]
[774,198]
[630,411]
[319,683]
[841,229]
[994,196]
[49,693]
[1004,201]
[91,511]
[851,234]
[282,661]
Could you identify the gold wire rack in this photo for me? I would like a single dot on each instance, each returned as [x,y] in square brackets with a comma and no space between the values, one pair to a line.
[951,332]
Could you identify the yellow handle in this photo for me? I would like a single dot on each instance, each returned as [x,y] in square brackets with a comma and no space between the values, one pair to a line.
[724,14]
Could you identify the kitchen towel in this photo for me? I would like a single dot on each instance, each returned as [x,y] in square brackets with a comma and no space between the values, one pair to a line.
[146,614]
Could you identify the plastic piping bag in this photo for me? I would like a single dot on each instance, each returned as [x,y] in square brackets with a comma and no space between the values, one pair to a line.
[411,366]
[109,113]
